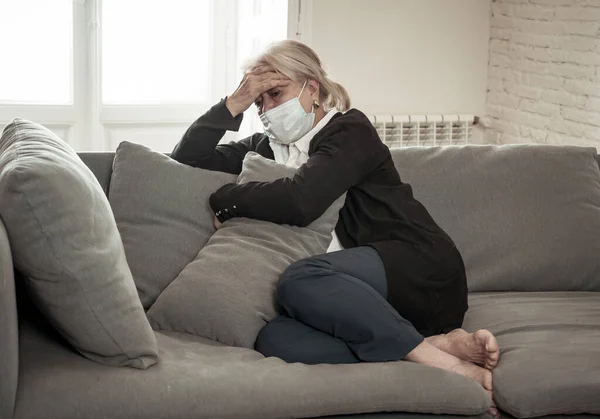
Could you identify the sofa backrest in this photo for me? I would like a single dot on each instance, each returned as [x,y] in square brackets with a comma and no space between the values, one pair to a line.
[101,164]
[525,217]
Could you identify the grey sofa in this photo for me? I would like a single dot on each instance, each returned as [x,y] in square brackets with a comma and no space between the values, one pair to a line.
[527,220]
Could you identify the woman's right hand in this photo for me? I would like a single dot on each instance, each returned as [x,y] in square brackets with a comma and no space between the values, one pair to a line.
[253,84]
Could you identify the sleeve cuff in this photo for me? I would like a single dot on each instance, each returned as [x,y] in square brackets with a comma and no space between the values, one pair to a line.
[222,114]
[222,213]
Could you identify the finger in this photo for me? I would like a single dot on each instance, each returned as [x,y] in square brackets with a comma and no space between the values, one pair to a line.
[253,82]
[273,83]
[269,75]
[262,69]
[282,83]
[258,72]
[268,82]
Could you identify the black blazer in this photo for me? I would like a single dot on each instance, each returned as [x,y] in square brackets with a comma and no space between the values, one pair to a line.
[425,272]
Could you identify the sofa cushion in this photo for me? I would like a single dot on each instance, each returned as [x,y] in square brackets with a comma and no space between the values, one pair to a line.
[228,292]
[524,217]
[162,212]
[9,329]
[201,379]
[550,350]
[100,163]
[66,244]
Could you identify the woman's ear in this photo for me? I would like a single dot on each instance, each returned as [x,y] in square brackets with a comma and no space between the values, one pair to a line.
[314,88]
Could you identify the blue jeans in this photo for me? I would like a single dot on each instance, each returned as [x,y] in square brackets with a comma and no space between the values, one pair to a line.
[334,310]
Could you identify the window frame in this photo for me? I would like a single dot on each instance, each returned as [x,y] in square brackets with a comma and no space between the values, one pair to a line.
[83,124]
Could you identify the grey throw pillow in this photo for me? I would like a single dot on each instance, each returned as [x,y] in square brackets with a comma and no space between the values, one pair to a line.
[524,217]
[228,292]
[161,208]
[66,244]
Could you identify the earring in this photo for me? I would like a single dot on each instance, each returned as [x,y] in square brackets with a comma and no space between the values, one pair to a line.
[315,103]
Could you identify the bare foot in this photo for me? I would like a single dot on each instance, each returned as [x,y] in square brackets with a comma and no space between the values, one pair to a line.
[428,354]
[482,376]
[480,347]
[494,410]
[468,369]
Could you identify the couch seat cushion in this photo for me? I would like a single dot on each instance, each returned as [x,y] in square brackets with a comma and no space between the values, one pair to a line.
[199,378]
[550,350]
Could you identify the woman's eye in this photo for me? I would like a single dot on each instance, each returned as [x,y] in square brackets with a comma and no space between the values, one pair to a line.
[275,94]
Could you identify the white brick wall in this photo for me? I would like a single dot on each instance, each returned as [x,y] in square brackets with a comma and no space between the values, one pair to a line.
[544,72]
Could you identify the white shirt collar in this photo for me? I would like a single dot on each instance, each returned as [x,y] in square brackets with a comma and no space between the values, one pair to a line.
[296,154]
[303,144]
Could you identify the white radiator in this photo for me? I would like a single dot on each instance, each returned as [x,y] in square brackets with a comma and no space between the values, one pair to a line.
[424,130]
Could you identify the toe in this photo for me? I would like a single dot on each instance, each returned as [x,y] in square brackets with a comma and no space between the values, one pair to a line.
[494,412]
[492,359]
[489,392]
[491,363]
[487,380]
[487,339]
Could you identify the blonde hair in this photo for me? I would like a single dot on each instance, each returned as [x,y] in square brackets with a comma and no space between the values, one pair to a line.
[299,62]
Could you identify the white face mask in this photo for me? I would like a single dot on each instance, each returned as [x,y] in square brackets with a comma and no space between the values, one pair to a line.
[288,122]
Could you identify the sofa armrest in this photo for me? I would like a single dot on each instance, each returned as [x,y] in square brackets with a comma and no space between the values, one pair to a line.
[9,332]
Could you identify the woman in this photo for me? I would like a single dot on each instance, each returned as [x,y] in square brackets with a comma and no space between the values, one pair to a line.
[393,284]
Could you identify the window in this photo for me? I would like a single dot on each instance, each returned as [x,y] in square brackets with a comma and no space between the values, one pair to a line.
[35,39]
[99,72]
[259,24]
[162,57]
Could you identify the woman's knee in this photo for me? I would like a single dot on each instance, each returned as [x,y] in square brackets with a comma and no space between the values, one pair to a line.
[277,338]
[268,339]
[301,270]
[295,281]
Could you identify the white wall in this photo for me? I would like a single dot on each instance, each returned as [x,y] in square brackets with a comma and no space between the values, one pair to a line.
[544,75]
[406,56]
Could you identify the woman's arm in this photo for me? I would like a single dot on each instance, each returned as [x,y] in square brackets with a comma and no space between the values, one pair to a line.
[200,146]
[344,155]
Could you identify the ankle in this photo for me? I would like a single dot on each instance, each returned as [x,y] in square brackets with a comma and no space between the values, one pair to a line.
[428,354]
[439,341]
